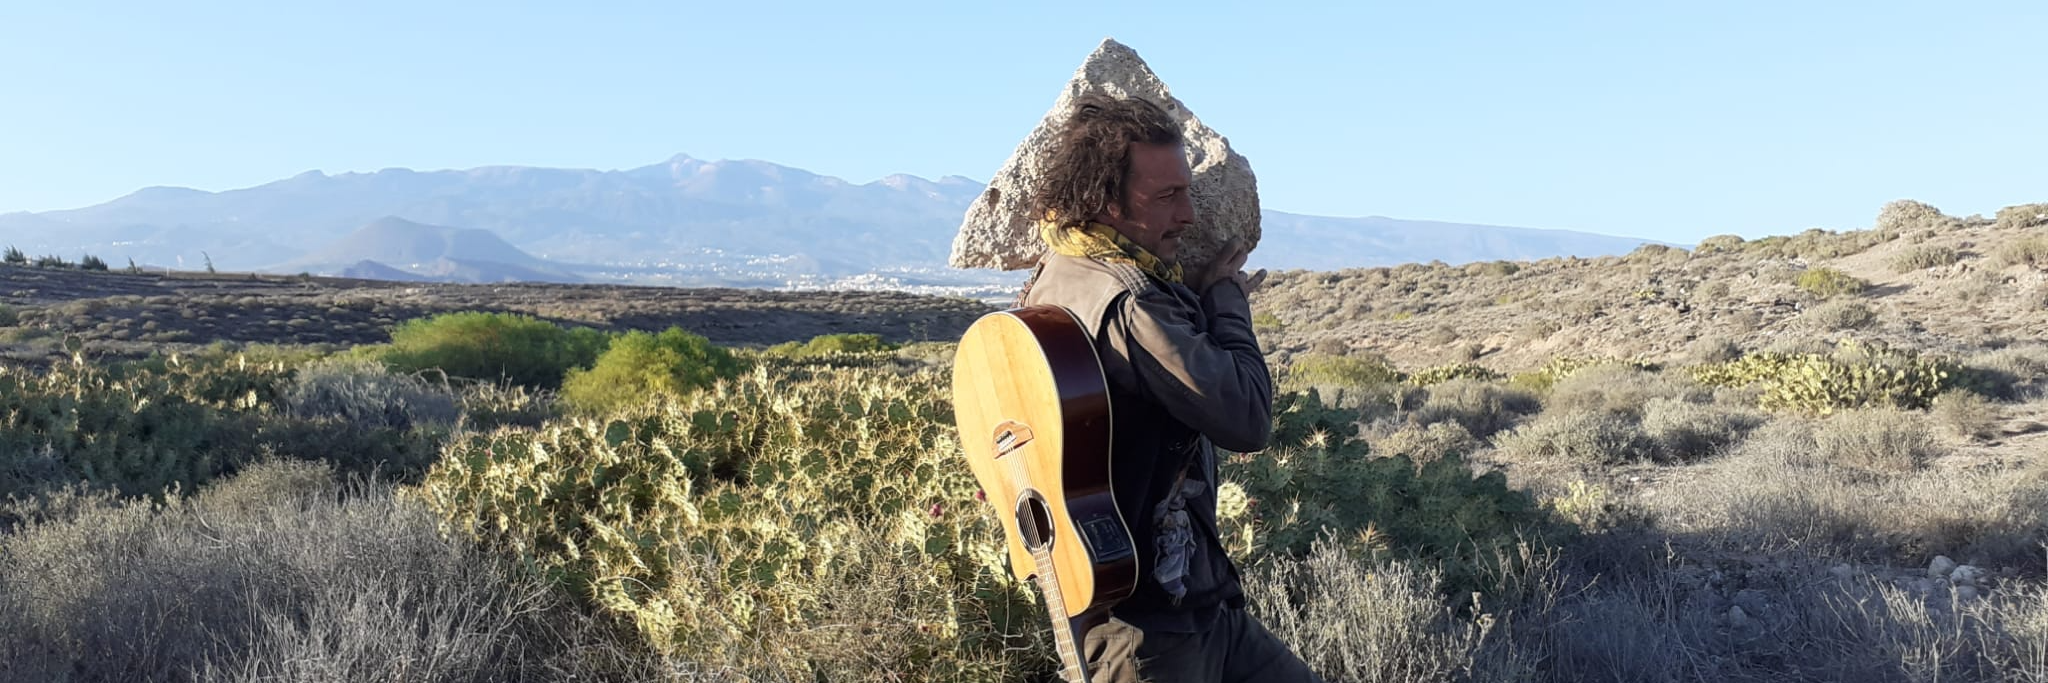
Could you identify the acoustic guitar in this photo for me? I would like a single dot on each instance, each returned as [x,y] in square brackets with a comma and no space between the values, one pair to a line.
[1032,406]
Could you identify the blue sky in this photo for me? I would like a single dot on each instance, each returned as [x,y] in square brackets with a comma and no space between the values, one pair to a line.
[1671,121]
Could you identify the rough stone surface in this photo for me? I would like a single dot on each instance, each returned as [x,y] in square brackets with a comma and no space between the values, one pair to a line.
[1966,575]
[1940,567]
[998,232]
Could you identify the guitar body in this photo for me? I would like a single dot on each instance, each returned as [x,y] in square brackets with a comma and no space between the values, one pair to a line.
[1033,410]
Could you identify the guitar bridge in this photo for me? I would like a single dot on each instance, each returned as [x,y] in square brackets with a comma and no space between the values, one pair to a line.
[1011,435]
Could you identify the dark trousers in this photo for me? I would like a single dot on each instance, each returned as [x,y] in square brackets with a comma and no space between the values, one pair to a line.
[1235,648]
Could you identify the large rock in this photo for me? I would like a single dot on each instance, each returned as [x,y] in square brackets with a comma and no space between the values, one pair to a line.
[998,231]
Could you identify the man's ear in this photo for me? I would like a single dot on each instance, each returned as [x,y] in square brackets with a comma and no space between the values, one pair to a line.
[1110,215]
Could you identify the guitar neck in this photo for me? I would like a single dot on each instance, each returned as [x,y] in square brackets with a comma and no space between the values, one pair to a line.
[1072,668]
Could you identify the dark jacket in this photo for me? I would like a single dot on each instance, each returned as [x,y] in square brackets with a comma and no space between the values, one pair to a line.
[1185,376]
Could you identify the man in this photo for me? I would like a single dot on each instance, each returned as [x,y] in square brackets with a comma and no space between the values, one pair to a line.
[1185,375]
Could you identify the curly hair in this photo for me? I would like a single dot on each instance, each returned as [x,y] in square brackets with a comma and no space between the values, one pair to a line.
[1089,162]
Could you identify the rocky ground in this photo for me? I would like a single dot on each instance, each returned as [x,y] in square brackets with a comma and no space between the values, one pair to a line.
[1927,282]
[129,313]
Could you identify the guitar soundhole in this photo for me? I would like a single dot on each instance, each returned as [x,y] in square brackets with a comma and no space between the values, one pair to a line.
[1034,520]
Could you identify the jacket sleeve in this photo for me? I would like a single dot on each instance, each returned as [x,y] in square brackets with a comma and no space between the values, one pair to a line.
[1212,378]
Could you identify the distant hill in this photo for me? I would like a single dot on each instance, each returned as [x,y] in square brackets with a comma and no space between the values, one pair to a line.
[392,248]
[372,270]
[681,220]
[396,241]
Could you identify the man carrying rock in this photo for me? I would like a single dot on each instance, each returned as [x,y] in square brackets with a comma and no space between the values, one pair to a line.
[1185,375]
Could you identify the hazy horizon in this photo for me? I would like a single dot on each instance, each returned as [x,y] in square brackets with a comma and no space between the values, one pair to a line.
[1669,124]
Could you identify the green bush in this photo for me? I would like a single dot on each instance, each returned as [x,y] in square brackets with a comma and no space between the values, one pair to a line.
[1828,282]
[832,344]
[91,262]
[492,346]
[1559,368]
[1448,372]
[135,429]
[1821,384]
[8,316]
[640,368]
[734,527]
[15,257]
[1317,481]
[1321,370]
[139,427]
[49,261]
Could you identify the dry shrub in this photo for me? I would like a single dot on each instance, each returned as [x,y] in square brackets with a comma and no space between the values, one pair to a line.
[273,576]
[2011,372]
[1688,431]
[2022,216]
[1877,439]
[1536,331]
[1779,490]
[1443,335]
[1351,619]
[364,392]
[1620,388]
[1966,415]
[1481,407]
[1713,350]
[1839,315]
[2031,252]
[1924,257]
[1711,291]
[1424,444]
[1587,437]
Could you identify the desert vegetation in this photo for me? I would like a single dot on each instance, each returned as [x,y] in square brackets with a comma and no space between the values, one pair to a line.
[1657,473]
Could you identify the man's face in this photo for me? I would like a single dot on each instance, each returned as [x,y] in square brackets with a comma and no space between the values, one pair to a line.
[1156,208]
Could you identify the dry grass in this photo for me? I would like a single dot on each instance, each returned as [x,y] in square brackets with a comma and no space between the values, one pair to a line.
[279,574]
[1791,487]
[1877,439]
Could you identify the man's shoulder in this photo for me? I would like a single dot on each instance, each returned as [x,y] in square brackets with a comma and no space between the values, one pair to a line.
[1089,274]
[1092,290]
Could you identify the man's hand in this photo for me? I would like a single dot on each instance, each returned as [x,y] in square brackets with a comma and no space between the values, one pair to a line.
[1229,266]
[1251,283]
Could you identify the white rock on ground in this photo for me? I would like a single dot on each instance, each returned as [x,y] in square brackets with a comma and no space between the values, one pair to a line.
[1940,567]
[998,231]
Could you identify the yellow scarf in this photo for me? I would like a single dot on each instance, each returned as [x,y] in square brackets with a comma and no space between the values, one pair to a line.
[1103,243]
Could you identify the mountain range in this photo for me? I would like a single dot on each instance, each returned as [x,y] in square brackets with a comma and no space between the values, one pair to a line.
[684,221]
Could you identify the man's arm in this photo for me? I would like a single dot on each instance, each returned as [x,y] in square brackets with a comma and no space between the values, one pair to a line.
[1215,379]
